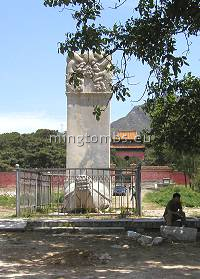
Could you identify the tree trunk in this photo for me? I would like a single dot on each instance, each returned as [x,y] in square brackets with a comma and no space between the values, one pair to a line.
[190,183]
[185,176]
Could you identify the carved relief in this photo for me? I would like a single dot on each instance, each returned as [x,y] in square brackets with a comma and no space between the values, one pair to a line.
[94,71]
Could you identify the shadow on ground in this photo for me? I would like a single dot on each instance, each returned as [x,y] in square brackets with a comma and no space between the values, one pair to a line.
[48,255]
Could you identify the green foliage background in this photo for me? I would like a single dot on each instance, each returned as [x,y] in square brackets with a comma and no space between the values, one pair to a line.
[31,150]
[7,200]
[35,150]
[189,197]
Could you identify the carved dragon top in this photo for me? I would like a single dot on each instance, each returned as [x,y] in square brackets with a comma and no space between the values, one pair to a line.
[94,71]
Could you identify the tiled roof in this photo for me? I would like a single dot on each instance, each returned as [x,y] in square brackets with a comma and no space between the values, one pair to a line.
[126,135]
[127,146]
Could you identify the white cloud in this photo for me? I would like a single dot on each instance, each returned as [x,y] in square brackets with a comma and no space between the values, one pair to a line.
[29,122]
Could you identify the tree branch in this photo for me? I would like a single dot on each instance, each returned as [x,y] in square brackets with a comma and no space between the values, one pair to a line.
[118,5]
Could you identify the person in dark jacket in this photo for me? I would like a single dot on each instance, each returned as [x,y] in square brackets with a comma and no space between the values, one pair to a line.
[174,211]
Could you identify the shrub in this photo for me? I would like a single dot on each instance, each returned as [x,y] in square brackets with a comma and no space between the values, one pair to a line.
[189,197]
[7,200]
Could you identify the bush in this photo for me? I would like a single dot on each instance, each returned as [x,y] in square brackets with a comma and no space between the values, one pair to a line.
[7,200]
[189,197]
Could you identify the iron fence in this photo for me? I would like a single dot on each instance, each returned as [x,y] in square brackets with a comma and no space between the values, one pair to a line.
[72,191]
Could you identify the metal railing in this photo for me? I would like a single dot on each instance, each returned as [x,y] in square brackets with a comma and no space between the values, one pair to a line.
[73,191]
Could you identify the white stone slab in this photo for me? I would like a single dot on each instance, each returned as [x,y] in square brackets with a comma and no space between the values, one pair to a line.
[133,235]
[13,225]
[179,233]
[157,240]
[145,240]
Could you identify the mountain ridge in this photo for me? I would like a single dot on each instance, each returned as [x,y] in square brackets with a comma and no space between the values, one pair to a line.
[136,119]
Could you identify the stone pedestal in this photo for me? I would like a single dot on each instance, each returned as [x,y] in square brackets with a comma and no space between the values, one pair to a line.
[88,140]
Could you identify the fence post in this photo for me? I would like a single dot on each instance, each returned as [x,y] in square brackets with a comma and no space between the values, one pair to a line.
[17,190]
[138,190]
[36,192]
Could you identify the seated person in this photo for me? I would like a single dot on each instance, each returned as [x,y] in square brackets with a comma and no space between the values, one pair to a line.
[173,211]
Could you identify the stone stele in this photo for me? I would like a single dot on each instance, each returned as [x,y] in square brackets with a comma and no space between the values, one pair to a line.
[88,140]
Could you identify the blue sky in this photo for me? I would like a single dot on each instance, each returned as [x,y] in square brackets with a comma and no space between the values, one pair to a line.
[32,73]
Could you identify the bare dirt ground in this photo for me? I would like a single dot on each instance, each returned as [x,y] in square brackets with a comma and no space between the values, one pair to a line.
[48,255]
[148,210]
[6,212]
[40,255]
[154,210]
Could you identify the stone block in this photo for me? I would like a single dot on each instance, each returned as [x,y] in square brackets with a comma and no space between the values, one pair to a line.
[145,240]
[179,233]
[157,240]
[13,225]
[133,235]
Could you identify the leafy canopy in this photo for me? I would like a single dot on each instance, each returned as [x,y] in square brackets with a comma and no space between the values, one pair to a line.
[149,35]
[176,117]
[35,150]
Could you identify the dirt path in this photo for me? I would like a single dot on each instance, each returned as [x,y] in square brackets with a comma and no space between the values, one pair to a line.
[154,210]
[40,255]
[7,212]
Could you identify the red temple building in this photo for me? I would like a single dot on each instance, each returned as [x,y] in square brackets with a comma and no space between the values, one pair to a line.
[128,143]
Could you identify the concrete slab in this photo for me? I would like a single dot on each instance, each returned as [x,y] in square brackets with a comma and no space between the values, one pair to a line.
[129,224]
[88,230]
[13,225]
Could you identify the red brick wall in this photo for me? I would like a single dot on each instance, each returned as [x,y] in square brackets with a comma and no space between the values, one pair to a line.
[149,173]
[157,173]
[7,179]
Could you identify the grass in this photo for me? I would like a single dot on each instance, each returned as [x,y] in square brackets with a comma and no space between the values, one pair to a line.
[189,197]
[7,200]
